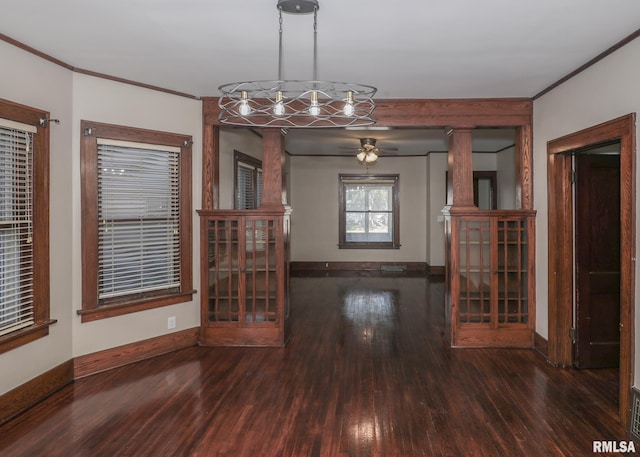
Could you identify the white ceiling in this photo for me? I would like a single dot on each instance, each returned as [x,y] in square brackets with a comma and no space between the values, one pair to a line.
[407,49]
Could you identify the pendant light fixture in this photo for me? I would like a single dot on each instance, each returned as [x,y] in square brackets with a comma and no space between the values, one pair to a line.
[296,103]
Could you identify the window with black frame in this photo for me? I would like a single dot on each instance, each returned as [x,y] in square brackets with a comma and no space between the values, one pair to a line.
[369,212]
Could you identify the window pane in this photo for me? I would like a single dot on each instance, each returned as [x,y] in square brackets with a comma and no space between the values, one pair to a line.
[379,198]
[379,223]
[139,217]
[355,222]
[16,232]
[355,197]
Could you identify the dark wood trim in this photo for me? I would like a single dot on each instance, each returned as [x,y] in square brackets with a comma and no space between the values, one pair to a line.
[28,394]
[25,335]
[35,52]
[42,55]
[355,266]
[108,359]
[273,168]
[156,301]
[134,83]
[420,113]
[607,52]
[91,309]
[40,217]
[470,113]
[460,169]
[541,345]
[437,270]
[342,237]
[210,167]
[560,251]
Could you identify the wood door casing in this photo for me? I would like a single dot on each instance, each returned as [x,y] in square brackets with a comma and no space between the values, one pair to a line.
[597,221]
[560,248]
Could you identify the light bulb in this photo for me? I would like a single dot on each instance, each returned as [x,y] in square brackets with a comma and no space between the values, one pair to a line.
[278,108]
[371,157]
[348,106]
[314,108]
[361,155]
[244,108]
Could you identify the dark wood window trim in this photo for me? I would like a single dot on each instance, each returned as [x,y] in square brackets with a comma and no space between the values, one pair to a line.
[371,179]
[91,308]
[239,157]
[40,328]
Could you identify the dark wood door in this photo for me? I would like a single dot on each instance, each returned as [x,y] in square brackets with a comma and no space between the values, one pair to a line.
[597,260]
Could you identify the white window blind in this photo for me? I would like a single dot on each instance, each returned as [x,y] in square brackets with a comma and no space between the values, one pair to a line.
[16,228]
[139,217]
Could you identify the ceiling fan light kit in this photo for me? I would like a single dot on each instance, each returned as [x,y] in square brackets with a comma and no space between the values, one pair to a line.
[367,154]
[285,103]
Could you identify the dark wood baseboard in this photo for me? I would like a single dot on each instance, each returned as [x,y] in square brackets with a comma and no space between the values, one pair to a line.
[98,362]
[28,394]
[384,267]
[436,270]
[541,345]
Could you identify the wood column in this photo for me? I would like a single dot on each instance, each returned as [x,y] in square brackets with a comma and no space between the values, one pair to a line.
[273,163]
[460,164]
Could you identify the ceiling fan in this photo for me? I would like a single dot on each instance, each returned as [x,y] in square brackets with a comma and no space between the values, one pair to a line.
[368,151]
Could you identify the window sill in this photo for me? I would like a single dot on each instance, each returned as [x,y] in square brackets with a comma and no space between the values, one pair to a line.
[25,335]
[106,311]
[364,245]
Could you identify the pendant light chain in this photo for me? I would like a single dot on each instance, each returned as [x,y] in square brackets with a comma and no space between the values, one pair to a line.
[315,44]
[280,65]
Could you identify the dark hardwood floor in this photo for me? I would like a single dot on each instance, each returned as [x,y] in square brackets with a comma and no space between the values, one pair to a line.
[366,373]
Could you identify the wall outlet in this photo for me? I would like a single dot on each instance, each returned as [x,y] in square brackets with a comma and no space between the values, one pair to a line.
[171,322]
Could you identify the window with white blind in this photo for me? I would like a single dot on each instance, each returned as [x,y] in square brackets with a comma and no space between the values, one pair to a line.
[369,211]
[16,227]
[141,210]
[248,181]
[24,225]
[139,218]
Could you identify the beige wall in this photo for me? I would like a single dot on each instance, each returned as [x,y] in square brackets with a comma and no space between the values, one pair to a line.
[107,101]
[314,199]
[605,91]
[32,81]
[423,188]
[243,141]
[506,168]
[71,97]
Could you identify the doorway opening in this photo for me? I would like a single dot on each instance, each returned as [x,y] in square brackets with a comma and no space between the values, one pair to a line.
[561,248]
[596,190]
